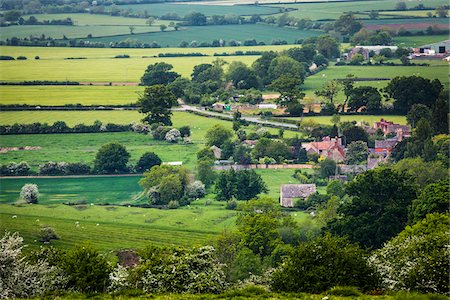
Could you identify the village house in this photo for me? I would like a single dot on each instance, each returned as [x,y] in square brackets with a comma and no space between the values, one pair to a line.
[384,147]
[217,151]
[389,127]
[437,50]
[291,192]
[331,148]
[366,50]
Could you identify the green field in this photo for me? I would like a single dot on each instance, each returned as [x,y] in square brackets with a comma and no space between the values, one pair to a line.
[209,10]
[91,19]
[260,32]
[100,66]
[324,11]
[83,147]
[61,95]
[71,32]
[417,41]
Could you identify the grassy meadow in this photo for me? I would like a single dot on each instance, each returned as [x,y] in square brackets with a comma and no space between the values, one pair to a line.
[260,32]
[325,11]
[326,120]
[416,41]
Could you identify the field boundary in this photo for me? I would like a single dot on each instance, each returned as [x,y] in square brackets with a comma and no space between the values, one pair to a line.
[72,176]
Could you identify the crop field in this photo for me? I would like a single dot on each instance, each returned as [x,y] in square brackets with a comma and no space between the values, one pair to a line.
[58,32]
[408,13]
[101,66]
[95,19]
[323,11]
[61,95]
[416,41]
[408,24]
[260,32]
[209,10]
[439,71]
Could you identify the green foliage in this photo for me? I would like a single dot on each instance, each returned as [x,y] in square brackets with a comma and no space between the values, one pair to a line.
[365,96]
[319,265]
[417,259]
[335,188]
[328,46]
[242,76]
[156,102]
[111,158]
[347,24]
[329,90]
[423,173]
[284,65]
[242,185]
[407,91]
[159,73]
[245,264]
[147,161]
[440,113]
[355,133]
[344,291]
[416,113]
[357,153]
[275,149]
[258,224]
[327,168]
[432,199]
[381,198]
[205,172]
[218,135]
[47,234]
[165,183]
[86,268]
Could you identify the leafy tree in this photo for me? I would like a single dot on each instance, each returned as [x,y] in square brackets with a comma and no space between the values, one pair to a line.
[156,102]
[432,199]
[347,24]
[442,12]
[318,265]
[150,21]
[423,173]
[347,87]
[365,96]
[417,259]
[327,168]
[195,19]
[335,188]
[185,131]
[421,139]
[284,65]
[30,193]
[206,153]
[328,46]
[258,224]
[111,158]
[378,210]
[147,161]
[305,54]
[265,147]
[241,155]
[289,89]
[407,91]
[357,59]
[329,90]
[179,87]
[242,76]
[417,112]
[159,73]
[440,113]
[205,172]
[87,269]
[262,64]
[162,27]
[218,135]
[355,133]
[401,6]
[357,152]
[245,264]
[243,185]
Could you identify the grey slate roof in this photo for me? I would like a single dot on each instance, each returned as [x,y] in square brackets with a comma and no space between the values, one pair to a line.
[289,192]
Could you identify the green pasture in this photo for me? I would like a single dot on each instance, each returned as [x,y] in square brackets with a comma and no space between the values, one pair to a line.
[61,95]
[100,70]
[408,13]
[52,53]
[420,40]
[95,19]
[209,10]
[71,32]
[260,32]
[326,120]
[431,21]
[83,147]
[315,82]
[324,10]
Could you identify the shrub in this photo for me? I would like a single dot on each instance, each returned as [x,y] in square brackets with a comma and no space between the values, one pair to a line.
[185,131]
[53,168]
[47,234]
[37,57]
[323,263]
[13,169]
[147,161]
[77,169]
[344,291]
[174,204]
[111,158]
[173,135]
[122,56]
[231,204]
[30,193]
[196,190]
[20,279]
[87,270]
[5,57]
[159,132]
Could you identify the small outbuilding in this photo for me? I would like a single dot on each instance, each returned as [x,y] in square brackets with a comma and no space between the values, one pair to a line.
[291,192]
